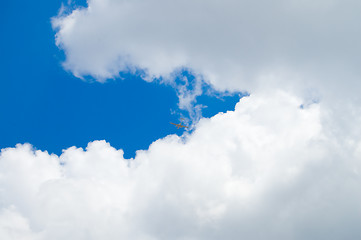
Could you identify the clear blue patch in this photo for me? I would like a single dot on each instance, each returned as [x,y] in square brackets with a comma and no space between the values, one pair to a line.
[213,105]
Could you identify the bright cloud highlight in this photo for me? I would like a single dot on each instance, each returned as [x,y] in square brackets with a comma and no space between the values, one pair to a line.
[285,164]
[268,170]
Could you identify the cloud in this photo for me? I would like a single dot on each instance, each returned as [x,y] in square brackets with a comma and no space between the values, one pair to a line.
[242,45]
[268,170]
[285,164]
[310,49]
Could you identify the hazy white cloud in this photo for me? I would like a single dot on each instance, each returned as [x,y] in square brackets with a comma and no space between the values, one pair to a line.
[14,226]
[284,165]
[308,48]
[241,45]
[268,170]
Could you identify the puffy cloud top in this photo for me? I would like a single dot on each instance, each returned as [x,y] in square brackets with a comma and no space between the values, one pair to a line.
[268,170]
[285,164]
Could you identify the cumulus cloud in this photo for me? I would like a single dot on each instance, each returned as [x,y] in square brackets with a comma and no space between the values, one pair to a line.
[309,48]
[268,170]
[285,164]
[239,45]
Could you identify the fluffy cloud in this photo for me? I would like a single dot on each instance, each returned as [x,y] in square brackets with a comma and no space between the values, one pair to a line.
[284,165]
[268,170]
[242,45]
[308,48]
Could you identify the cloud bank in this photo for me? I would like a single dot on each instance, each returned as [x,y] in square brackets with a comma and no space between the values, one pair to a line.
[268,170]
[308,48]
[242,45]
[285,164]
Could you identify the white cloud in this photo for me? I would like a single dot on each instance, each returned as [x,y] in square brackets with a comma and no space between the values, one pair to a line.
[268,170]
[243,45]
[309,48]
[15,226]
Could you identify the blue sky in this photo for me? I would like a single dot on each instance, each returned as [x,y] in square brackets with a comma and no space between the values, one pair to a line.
[46,106]
[284,164]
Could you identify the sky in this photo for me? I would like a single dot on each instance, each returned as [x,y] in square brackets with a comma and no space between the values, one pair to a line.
[46,106]
[269,91]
